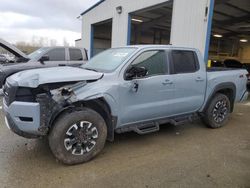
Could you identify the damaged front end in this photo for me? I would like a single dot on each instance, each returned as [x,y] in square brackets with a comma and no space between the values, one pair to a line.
[54,102]
[30,111]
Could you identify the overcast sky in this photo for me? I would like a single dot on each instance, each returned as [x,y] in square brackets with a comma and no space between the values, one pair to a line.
[28,20]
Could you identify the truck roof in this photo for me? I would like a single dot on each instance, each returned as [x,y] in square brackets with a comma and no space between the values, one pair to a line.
[52,47]
[162,46]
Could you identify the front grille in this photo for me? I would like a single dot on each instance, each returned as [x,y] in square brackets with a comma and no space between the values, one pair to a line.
[9,93]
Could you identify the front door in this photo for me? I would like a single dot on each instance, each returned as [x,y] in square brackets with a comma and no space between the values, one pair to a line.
[148,97]
[57,57]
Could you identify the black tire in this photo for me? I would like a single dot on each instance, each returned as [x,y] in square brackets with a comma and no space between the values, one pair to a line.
[218,111]
[60,138]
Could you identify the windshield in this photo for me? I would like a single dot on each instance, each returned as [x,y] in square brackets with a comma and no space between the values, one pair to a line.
[109,60]
[36,54]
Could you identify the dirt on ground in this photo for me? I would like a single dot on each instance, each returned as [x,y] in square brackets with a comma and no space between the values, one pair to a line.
[188,155]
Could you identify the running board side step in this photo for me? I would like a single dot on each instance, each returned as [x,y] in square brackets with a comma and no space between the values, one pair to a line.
[147,128]
[153,126]
[184,119]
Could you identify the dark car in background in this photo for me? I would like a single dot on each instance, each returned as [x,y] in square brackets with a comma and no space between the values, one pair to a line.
[216,63]
[233,63]
[3,59]
[41,58]
[247,66]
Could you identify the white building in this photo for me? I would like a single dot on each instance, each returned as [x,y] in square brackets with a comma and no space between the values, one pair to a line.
[113,23]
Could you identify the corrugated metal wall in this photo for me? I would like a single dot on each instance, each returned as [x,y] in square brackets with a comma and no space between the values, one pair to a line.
[189,24]
[107,10]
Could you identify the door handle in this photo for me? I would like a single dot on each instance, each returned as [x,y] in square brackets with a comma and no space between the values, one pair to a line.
[167,82]
[199,79]
[61,65]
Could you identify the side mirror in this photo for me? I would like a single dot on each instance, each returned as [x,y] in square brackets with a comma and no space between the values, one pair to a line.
[44,58]
[136,72]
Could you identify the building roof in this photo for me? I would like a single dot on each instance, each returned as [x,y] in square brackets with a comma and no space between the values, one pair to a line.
[92,7]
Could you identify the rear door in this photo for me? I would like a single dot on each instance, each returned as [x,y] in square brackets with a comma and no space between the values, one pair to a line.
[76,57]
[189,79]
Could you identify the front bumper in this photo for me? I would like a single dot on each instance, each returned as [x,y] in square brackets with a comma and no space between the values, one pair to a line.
[23,118]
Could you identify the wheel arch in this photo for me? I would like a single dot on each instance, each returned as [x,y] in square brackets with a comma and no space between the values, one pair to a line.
[100,105]
[228,89]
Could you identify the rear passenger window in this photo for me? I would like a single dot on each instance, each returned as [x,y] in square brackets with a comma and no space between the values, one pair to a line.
[75,54]
[57,54]
[154,61]
[184,61]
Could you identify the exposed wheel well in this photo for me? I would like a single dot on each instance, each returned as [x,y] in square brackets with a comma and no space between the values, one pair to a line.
[100,106]
[231,96]
[229,92]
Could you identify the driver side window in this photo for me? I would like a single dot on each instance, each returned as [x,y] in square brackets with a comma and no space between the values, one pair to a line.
[155,61]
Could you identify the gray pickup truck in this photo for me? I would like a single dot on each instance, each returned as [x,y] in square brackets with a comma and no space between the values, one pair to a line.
[133,88]
[42,58]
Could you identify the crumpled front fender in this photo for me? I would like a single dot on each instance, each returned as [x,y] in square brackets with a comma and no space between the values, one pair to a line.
[90,91]
[109,99]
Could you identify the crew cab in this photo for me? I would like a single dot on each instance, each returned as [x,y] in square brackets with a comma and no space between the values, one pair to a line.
[132,88]
[41,58]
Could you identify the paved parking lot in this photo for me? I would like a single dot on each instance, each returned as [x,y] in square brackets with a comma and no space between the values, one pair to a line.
[189,155]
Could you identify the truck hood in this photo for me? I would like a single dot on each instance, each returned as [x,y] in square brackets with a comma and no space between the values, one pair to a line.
[34,78]
[12,49]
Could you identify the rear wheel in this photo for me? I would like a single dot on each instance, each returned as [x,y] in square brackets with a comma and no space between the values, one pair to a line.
[217,112]
[78,137]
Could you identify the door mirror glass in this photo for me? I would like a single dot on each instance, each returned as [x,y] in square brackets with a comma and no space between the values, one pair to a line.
[44,58]
[136,72]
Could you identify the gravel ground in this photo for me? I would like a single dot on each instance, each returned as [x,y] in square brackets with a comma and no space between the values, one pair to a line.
[189,155]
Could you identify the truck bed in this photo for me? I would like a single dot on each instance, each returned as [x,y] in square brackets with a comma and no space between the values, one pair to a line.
[220,75]
[214,69]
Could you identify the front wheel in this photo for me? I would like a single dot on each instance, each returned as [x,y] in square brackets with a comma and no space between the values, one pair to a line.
[77,137]
[217,112]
